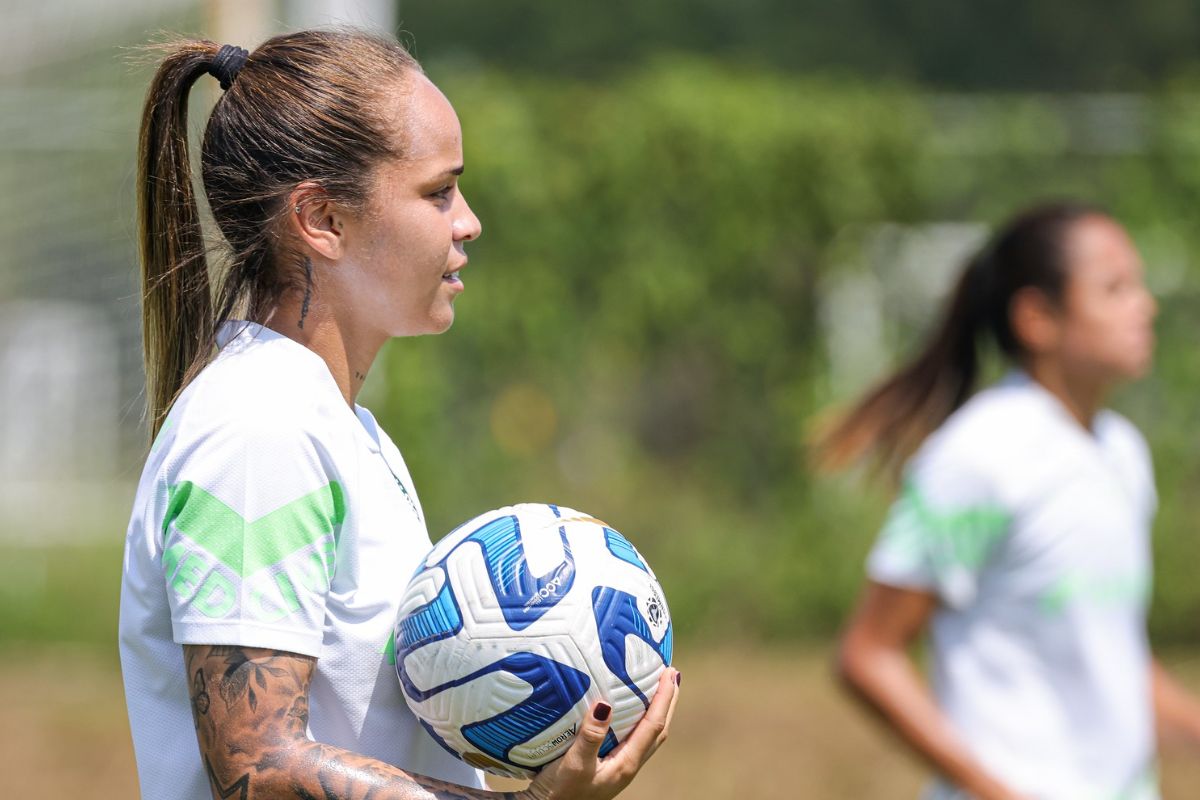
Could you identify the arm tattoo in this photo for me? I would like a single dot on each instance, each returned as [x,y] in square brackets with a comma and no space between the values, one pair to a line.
[241,786]
[255,742]
[199,697]
[235,683]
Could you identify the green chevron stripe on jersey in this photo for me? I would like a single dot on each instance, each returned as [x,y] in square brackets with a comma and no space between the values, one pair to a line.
[246,547]
[964,536]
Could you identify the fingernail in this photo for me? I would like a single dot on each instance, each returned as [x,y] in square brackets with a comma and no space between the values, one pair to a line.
[678,678]
[602,711]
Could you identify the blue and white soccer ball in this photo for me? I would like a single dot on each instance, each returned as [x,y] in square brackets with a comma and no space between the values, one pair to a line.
[516,623]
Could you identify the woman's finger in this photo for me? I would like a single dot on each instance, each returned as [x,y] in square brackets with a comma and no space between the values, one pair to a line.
[652,728]
[662,737]
[592,730]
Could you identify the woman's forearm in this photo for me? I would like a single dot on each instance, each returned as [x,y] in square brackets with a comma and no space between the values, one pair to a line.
[251,714]
[313,770]
[1176,710]
[887,681]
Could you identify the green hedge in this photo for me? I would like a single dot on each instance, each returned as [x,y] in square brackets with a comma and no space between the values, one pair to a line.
[639,337]
[639,334]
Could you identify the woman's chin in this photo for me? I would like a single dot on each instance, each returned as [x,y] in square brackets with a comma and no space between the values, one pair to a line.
[441,322]
[1134,369]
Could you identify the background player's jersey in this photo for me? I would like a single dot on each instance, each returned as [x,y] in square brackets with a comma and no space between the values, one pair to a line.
[1035,535]
[271,514]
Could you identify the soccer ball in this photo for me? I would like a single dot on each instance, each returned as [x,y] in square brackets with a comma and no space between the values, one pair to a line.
[516,623]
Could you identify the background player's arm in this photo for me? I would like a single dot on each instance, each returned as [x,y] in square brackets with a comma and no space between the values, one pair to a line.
[251,712]
[873,660]
[1176,710]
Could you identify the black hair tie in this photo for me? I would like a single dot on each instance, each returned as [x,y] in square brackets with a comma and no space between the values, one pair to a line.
[227,63]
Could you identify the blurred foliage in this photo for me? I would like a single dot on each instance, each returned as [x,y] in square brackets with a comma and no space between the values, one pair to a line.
[642,333]
[639,337]
[989,44]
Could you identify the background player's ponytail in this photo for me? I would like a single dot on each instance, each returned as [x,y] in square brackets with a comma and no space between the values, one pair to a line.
[309,108]
[891,421]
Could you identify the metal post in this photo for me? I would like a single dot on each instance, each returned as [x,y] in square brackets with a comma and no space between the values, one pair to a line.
[374,14]
[245,23]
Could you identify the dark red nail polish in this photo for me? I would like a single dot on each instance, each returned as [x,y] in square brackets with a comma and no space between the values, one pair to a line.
[602,711]
[678,678]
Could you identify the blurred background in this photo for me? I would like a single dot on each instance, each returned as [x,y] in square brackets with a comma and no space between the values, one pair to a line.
[705,224]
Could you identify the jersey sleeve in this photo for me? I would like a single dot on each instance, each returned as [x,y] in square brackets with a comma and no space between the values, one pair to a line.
[941,531]
[253,513]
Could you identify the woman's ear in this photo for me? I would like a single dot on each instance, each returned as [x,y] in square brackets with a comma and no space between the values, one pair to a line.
[316,221]
[1036,321]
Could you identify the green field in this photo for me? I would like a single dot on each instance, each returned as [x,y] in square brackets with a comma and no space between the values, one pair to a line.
[760,724]
[753,721]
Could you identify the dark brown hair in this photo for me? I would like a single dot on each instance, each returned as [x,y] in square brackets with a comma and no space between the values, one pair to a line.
[306,107]
[892,420]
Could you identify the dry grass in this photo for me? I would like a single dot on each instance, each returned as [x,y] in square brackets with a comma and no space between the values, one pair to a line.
[749,725]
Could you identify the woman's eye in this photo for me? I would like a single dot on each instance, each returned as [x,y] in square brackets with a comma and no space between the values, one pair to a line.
[443,193]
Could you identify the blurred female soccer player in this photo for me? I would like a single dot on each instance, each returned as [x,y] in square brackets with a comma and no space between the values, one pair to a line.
[1021,537]
[275,521]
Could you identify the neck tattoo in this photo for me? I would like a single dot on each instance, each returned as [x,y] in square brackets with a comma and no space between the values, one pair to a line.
[307,290]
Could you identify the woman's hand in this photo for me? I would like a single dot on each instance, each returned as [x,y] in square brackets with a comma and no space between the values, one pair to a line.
[582,775]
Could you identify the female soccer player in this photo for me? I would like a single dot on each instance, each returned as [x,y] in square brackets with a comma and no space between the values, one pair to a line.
[275,522]
[1021,537]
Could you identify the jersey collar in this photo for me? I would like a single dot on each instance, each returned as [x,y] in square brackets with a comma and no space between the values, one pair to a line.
[237,334]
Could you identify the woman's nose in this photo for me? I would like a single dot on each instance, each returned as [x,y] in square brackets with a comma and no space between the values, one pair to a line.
[467,226]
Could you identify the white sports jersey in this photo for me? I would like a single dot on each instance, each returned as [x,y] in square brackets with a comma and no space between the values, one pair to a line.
[270,514]
[1035,535]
